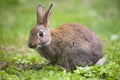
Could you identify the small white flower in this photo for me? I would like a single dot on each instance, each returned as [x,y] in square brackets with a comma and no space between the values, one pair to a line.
[114,37]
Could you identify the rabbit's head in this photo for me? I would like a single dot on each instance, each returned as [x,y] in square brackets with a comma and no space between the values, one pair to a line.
[40,35]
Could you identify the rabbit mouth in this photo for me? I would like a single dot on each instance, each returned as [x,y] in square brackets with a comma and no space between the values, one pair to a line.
[36,46]
[40,45]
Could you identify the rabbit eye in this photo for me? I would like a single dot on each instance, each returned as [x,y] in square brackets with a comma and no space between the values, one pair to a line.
[41,33]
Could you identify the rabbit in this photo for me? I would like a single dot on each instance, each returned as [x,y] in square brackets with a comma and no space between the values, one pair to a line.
[69,45]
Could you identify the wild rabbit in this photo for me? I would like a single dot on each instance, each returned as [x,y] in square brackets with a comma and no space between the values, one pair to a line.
[68,46]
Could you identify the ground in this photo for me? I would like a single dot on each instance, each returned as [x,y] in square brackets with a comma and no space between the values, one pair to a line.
[18,17]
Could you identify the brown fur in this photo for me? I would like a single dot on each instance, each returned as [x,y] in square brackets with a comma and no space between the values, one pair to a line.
[70,45]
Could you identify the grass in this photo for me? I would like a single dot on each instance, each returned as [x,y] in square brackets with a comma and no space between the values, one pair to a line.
[18,17]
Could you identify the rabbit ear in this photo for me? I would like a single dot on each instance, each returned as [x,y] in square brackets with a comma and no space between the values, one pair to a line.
[40,14]
[47,15]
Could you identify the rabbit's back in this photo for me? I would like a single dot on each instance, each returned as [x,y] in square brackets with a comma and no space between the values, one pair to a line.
[72,32]
[76,45]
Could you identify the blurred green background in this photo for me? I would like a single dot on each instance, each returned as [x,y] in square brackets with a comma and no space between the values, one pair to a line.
[18,17]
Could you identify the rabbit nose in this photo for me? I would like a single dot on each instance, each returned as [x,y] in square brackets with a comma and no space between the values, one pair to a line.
[32,45]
